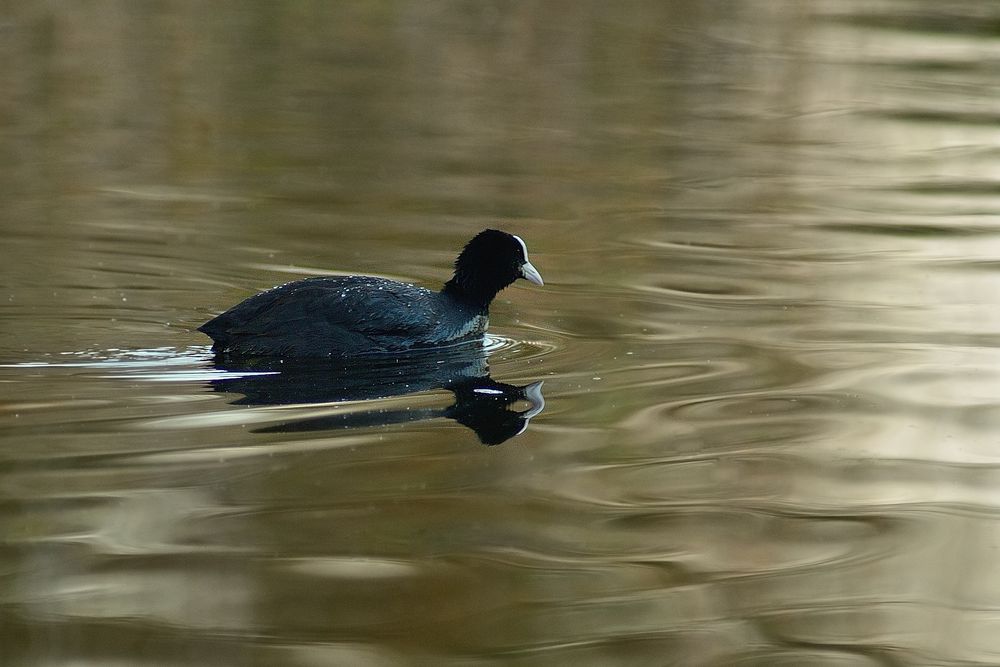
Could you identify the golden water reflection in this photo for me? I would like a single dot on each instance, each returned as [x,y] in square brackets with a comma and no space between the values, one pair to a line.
[768,334]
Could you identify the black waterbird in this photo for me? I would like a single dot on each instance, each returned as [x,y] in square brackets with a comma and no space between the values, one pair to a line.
[352,316]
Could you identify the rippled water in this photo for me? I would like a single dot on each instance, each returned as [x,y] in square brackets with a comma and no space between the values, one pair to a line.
[767,432]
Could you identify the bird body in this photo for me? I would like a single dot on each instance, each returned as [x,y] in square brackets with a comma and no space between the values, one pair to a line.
[349,316]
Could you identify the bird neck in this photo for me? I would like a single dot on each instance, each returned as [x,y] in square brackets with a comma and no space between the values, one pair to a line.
[472,293]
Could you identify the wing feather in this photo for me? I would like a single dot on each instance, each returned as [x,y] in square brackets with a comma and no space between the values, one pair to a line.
[342,314]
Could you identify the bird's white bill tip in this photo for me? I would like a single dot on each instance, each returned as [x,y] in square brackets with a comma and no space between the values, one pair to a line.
[531,274]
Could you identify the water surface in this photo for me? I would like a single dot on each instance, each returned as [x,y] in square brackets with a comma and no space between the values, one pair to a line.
[767,336]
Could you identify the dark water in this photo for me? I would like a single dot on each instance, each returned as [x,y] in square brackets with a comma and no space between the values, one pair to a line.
[768,338]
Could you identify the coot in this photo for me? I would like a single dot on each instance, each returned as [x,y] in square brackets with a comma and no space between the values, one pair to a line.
[350,316]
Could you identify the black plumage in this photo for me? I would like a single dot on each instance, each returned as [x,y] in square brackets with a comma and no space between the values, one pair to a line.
[351,316]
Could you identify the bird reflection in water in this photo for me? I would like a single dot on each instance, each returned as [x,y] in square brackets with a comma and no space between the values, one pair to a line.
[481,403]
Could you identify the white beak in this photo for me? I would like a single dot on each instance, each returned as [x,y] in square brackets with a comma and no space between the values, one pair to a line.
[533,392]
[531,274]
